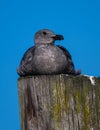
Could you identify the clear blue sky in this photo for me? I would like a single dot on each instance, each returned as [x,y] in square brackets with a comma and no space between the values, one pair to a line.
[77,20]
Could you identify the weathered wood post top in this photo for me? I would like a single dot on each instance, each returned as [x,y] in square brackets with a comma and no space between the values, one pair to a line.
[59,102]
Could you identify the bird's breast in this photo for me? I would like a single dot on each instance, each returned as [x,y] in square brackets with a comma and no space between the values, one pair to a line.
[49,58]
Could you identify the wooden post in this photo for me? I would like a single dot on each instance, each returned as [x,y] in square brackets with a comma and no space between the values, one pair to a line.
[59,102]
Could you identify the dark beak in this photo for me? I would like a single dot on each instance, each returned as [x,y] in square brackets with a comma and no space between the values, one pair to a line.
[58,37]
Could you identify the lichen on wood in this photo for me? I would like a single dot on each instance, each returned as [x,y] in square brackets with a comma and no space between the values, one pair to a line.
[59,102]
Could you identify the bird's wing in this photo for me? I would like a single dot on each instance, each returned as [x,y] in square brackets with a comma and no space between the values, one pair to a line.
[25,66]
[66,52]
[70,66]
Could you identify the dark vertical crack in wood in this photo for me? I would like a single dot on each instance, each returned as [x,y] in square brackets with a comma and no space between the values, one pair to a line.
[30,113]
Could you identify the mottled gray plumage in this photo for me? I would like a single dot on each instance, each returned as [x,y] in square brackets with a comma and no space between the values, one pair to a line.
[46,57]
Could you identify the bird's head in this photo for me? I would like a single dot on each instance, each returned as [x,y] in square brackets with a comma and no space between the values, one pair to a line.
[46,36]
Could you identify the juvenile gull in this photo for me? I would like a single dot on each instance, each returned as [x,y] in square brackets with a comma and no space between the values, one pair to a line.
[46,58]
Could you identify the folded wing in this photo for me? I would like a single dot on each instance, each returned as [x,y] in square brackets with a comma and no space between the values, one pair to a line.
[70,65]
[25,67]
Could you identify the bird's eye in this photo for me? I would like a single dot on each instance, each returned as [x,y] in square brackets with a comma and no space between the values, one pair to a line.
[44,33]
